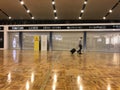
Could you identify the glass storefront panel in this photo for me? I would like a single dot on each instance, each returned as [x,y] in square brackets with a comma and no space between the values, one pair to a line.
[13,39]
[103,41]
[95,41]
[66,40]
[28,39]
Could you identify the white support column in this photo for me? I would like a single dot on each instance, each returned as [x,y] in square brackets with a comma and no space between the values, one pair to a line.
[5,37]
[43,42]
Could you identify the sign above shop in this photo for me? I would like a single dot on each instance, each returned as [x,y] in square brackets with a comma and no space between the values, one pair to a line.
[64,27]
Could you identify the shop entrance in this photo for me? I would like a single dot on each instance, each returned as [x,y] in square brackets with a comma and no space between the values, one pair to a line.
[1,40]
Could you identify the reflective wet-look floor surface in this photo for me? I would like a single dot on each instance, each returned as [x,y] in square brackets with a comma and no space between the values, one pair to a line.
[59,70]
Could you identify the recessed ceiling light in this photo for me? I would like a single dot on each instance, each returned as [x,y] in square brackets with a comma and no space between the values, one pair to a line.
[104,18]
[85,2]
[55,11]
[28,11]
[110,11]
[56,17]
[80,17]
[53,2]
[32,17]
[82,11]
[21,2]
[9,17]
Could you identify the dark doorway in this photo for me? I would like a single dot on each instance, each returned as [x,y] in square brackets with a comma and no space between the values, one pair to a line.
[1,40]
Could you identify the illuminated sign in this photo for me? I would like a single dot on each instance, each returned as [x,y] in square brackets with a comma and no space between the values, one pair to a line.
[64,27]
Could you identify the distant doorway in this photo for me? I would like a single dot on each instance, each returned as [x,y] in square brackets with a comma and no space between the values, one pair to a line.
[1,40]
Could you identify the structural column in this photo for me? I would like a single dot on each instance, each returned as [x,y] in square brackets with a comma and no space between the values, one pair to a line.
[5,37]
[20,39]
[50,42]
[84,41]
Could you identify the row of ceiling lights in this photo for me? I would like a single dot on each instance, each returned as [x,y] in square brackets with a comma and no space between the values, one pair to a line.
[28,11]
[111,10]
[25,7]
[83,8]
[5,14]
[55,11]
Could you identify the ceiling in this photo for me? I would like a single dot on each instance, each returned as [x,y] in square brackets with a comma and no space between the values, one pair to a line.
[66,9]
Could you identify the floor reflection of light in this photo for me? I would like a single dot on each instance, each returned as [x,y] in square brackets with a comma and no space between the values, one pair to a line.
[27,85]
[55,78]
[79,82]
[54,82]
[78,79]
[32,77]
[14,55]
[54,87]
[108,87]
[115,59]
[9,77]
[80,87]
[14,43]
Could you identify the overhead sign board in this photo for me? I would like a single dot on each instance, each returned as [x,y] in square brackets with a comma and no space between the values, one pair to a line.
[64,27]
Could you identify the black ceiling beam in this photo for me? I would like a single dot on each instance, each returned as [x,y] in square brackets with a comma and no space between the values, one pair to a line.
[25,7]
[83,8]
[4,13]
[26,21]
[108,13]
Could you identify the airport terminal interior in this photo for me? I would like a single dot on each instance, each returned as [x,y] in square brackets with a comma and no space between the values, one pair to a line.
[37,38]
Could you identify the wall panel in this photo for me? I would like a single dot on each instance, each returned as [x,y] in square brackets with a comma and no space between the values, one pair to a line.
[66,40]
[103,41]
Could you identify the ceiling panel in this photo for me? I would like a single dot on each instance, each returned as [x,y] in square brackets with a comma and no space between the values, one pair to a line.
[96,9]
[40,9]
[115,14]
[68,9]
[14,9]
[2,16]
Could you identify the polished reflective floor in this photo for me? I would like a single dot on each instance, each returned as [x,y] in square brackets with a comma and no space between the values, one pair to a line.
[59,70]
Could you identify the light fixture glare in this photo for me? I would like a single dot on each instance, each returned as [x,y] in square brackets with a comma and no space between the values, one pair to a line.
[53,2]
[55,11]
[9,17]
[28,11]
[85,2]
[82,11]
[110,11]
[104,18]
[56,17]
[21,2]
[32,17]
[80,17]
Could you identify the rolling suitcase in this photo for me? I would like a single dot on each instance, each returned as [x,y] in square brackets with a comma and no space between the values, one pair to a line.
[73,50]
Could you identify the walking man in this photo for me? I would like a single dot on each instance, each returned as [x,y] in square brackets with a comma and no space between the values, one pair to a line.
[80,46]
